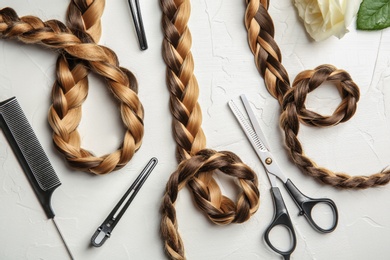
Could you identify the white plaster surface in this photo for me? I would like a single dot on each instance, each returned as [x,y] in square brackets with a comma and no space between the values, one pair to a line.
[225,68]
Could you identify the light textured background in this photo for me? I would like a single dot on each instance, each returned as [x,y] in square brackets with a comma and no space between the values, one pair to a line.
[224,69]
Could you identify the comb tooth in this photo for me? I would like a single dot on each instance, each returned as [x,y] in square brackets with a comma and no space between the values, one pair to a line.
[29,145]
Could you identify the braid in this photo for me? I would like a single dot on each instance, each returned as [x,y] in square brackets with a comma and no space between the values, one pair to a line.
[83,16]
[196,163]
[268,58]
[182,84]
[292,99]
[79,54]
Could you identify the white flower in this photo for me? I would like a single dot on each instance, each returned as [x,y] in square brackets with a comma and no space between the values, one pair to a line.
[324,18]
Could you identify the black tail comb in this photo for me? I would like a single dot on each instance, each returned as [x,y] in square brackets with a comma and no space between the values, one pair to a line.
[31,156]
[29,152]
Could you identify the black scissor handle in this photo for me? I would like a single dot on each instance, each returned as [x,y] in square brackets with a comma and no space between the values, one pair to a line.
[306,205]
[281,218]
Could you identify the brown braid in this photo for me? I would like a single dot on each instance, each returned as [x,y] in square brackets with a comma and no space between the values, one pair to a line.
[292,99]
[79,54]
[197,164]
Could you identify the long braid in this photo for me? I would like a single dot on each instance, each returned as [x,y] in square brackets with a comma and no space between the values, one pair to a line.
[196,163]
[182,84]
[79,54]
[292,99]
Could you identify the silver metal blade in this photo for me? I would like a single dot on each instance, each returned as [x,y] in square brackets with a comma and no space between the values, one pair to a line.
[247,127]
[254,121]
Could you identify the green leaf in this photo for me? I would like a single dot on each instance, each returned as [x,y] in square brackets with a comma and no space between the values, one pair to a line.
[373,15]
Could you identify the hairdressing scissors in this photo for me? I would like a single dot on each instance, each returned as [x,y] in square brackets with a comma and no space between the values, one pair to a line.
[305,204]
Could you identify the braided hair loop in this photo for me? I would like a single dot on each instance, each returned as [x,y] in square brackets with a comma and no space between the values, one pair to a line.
[268,60]
[80,54]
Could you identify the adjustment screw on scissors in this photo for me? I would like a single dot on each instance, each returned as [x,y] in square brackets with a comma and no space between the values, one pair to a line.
[268,161]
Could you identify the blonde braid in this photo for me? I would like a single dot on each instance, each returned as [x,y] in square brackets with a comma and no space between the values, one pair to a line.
[292,99]
[197,164]
[84,16]
[79,54]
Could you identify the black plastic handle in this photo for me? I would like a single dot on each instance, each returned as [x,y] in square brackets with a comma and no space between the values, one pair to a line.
[281,218]
[306,204]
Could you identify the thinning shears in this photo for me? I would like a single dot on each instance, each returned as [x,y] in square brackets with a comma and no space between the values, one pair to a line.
[305,204]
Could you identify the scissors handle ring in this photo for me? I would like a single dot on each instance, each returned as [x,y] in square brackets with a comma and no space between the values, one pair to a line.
[306,205]
[281,218]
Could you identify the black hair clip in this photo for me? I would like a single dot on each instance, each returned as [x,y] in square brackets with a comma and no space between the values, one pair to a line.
[139,26]
[105,229]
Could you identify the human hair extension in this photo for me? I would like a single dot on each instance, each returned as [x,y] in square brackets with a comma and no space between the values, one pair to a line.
[268,60]
[197,164]
[79,54]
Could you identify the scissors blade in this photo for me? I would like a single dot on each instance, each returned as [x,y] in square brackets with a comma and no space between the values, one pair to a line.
[249,126]
[254,121]
[249,131]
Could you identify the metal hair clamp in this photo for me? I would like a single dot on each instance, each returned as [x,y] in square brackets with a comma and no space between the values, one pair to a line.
[105,229]
[139,26]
